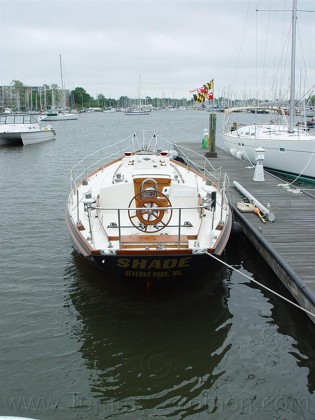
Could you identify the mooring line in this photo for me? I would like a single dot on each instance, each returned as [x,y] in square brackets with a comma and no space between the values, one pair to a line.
[261,285]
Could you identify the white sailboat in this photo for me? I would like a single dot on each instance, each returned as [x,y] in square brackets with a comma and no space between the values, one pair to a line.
[142,215]
[63,115]
[139,109]
[289,150]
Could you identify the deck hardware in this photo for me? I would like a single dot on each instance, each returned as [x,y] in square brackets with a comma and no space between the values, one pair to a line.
[265,212]
[259,168]
[88,201]
[112,225]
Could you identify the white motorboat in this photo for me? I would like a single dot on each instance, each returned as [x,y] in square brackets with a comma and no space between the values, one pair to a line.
[140,214]
[53,115]
[289,149]
[137,111]
[23,129]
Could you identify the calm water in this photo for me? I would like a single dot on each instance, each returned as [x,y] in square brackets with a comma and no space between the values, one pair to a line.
[76,346]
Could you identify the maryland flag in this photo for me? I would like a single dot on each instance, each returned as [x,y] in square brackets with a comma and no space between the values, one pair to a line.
[208,86]
[204,92]
[200,97]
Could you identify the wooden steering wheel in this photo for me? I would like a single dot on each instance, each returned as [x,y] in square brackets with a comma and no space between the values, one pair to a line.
[148,212]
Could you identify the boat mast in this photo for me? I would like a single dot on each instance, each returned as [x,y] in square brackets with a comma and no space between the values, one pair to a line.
[139,93]
[62,91]
[292,88]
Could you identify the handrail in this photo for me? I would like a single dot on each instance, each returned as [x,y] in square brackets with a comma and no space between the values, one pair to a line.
[135,143]
[143,208]
[131,143]
[203,168]
[120,227]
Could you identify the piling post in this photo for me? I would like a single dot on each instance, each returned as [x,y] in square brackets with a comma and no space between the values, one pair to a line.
[212,133]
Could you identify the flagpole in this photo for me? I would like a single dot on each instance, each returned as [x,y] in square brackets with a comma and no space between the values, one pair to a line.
[212,128]
[206,91]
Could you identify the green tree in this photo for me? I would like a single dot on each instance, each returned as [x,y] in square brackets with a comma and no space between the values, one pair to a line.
[81,98]
[18,94]
[101,100]
[123,102]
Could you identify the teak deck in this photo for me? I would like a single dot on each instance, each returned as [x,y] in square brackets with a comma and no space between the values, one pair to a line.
[288,243]
[169,241]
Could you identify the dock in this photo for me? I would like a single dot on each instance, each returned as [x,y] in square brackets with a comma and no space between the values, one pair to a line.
[288,243]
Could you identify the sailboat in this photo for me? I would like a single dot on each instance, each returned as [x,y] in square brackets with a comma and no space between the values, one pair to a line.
[140,109]
[289,149]
[53,114]
[141,214]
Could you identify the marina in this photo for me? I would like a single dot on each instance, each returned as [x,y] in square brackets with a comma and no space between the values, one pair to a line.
[146,270]
[78,345]
[289,145]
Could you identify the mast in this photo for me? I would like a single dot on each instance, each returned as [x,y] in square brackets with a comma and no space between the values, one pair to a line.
[139,93]
[62,89]
[292,88]
[53,105]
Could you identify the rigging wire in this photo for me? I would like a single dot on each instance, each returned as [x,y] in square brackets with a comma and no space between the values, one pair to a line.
[261,285]
[284,48]
[242,38]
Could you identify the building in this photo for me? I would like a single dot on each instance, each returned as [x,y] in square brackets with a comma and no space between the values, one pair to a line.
[32,98]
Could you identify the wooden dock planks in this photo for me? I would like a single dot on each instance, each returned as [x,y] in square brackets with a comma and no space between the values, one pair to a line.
[290,239]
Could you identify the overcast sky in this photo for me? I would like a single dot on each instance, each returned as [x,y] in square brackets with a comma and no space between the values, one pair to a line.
[174,45]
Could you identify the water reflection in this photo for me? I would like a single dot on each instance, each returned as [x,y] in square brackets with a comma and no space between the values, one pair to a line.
[221,348]
[287,329]
[146,352]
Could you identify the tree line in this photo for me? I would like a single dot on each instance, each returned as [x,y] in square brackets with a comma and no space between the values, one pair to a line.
[39,98]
